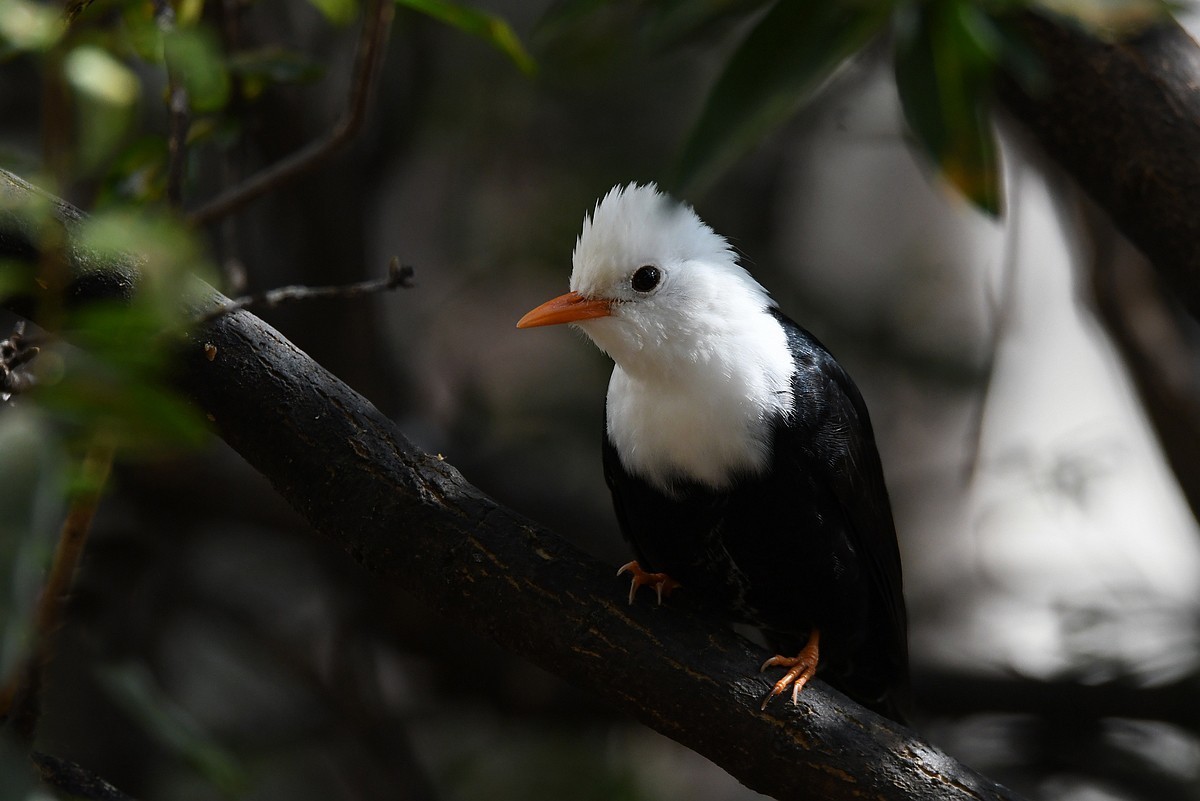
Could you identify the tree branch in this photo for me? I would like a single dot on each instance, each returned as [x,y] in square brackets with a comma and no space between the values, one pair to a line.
[20,699]
[377,22]
[1157,353]
[75,780]
[399,276]
[955,693]
[411,518]
[1123,118]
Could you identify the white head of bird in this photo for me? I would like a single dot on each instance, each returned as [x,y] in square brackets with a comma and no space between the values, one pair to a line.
[703,369]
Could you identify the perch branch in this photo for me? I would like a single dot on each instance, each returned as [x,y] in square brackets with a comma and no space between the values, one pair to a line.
[410,518]
[1123,118]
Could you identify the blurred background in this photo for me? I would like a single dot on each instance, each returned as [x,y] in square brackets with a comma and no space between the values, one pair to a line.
[214,647]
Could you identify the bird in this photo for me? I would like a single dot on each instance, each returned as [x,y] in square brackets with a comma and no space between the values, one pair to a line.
[739,453]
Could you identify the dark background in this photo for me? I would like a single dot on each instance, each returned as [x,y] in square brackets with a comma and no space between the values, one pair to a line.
[217,648]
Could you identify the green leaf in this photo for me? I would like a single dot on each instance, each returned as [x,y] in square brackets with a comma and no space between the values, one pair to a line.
[564,13]
[673,22]
[587,35]
[16,277]
[106,96]
[783,62]
[115,381]
[194,58]
[275,65]
[92,71]
[659,25]
[1113,20]
[338,12]
[26,26]
[32,500]
[569,12]
[168,253]
[137,175]
[141,696]
[140,32]
[946,52]
[144,419]
[488,27]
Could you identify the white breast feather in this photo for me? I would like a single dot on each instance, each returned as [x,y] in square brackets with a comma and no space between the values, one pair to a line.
[707,424]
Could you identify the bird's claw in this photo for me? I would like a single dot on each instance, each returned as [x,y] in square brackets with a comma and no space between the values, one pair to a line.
[662,583]
[801,668]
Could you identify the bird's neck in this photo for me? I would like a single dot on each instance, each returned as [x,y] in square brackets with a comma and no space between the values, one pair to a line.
[707,418]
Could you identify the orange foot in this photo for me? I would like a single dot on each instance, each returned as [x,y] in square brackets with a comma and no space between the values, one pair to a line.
[661,582]
[801,668]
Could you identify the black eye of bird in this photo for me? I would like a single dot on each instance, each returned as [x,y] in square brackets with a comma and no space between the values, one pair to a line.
[646,278]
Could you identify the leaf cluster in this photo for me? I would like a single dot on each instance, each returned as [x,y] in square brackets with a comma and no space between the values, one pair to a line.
[111,64]
[101,379]
[136,92]
[947,55]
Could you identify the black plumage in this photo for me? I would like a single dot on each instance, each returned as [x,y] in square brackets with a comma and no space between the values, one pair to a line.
[808,543]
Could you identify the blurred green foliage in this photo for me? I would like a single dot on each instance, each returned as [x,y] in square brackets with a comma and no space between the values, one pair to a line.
[469,20]
[948,53]
[338,12]
[140,695]
[787,56]
[193,57]
[111,74]
[101,378]
[33,482]
[26,25]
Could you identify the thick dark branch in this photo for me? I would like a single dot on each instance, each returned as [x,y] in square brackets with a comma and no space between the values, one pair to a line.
[953,693]
[411,518]
[75,780]
[1124,120]
[1161,360]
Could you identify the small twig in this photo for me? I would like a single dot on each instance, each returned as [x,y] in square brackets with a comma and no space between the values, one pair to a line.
[20,699]
[76,780]
[371,47]
[15,352]
[229,22]
[177,106]
[232,267]
[399,276]
[177,114]
[74,8]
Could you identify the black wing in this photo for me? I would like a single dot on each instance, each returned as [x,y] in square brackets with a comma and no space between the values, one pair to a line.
[832,437]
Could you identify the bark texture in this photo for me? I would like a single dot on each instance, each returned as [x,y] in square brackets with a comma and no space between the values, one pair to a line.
[1123,118]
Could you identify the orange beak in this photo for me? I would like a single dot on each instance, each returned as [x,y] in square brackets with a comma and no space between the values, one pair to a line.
[569,308]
